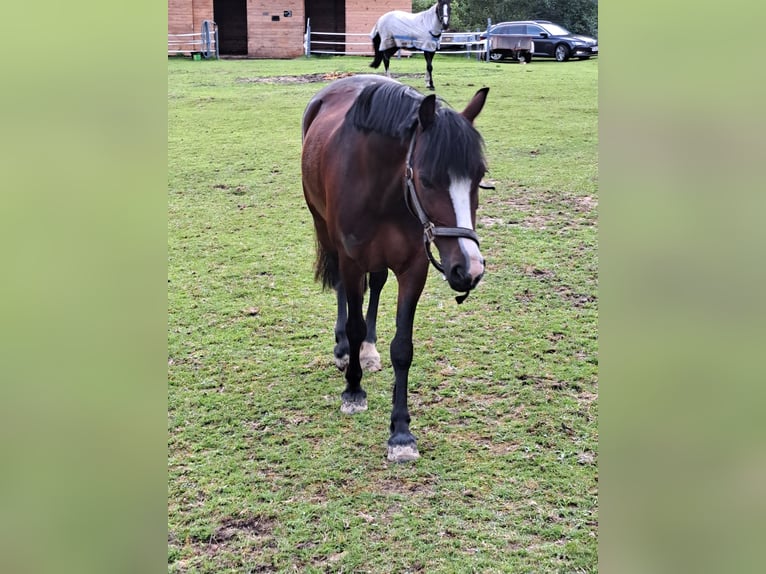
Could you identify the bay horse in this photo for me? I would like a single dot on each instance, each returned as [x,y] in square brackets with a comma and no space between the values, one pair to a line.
[422,31]
[386,173]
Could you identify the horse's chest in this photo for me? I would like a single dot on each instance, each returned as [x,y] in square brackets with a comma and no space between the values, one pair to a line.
[380,245]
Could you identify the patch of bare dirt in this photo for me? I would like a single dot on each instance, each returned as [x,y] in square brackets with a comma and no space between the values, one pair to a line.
[541,274]
[397,486]
[540,209]
[301,79]
[545,382]
[238,542]
[576,299]
[242,527]
[310,78]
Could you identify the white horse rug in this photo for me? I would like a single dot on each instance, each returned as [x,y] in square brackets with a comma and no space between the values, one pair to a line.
[404,30]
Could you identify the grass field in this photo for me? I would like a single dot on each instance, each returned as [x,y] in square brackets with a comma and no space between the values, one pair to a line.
[264,472]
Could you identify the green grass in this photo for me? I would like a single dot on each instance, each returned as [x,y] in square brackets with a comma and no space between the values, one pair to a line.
[265,474]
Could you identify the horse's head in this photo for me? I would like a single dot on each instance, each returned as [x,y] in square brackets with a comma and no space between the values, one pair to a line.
[444,9]
[447,165]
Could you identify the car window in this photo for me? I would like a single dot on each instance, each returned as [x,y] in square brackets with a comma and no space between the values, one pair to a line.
[501,30]
[515,29]
[555,30]
[533,30]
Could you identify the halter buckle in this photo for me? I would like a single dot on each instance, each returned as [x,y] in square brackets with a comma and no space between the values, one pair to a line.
[428,231]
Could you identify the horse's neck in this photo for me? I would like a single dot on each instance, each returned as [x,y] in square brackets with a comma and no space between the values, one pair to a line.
[433,20]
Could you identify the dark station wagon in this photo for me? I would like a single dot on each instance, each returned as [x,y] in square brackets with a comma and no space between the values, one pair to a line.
[550,40]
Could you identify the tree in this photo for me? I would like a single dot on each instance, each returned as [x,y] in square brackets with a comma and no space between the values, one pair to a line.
[578,16]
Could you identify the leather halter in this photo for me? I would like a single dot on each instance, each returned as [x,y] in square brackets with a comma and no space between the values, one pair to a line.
[430,231]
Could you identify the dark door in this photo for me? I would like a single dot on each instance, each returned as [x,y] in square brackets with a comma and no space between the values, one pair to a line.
[327,16]
[543,45]
[231,17]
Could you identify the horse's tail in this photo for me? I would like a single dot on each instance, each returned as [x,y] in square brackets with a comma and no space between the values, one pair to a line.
[376,46]
[326,268]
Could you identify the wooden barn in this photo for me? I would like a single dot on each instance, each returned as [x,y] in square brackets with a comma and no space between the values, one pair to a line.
[271,29]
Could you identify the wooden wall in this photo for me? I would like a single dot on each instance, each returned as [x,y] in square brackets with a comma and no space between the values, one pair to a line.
[283,38]
[186,16]
[268,39]
[361,17]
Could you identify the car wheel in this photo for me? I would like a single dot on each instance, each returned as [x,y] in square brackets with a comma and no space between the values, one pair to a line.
[496,56]
[562,53]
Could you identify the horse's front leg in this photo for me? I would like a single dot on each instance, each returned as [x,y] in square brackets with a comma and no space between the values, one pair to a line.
[354,398]
[369,356]
[429,69]
[401,445]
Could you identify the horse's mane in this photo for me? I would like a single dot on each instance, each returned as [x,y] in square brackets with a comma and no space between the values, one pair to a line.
[451,143]
[387,108]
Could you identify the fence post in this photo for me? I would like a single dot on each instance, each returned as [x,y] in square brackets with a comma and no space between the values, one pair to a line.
[205,39]
[307,43]
[486,51]
[478,51]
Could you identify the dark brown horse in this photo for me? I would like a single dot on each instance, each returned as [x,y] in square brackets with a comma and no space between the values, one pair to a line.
[387,172]
[420,31]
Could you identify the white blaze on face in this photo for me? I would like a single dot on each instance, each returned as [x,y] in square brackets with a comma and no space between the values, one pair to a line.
[460,193]
[445,14]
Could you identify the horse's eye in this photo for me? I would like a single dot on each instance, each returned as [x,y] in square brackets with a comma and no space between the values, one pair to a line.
[425,182]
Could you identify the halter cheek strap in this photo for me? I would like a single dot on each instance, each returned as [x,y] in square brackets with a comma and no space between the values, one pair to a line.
[430,231]
[437,34]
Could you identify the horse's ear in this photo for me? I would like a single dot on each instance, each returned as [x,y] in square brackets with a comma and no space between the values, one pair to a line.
[427,111]
[476,104]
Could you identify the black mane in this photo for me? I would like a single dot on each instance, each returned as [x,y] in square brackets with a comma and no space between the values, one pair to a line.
[386,108]
[451,143]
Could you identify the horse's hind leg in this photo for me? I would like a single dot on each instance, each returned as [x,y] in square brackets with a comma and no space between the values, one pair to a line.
[387,55]
[429,56]
[368,355]
[378,54]
[386,62]
[328,272]
[341,340]
[353,398]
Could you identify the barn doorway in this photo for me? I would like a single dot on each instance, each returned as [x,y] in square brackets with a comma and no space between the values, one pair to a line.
[231,17]
[327,16]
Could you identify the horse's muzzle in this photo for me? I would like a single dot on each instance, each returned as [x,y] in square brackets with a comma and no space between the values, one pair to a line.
[462,278]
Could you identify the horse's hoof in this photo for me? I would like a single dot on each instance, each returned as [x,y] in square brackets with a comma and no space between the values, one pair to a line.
[353,407]
[402,447]
[341,362]
[353,403]
[369,357]
[403,452]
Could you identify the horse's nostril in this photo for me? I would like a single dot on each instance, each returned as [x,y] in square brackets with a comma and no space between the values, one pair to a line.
[458,273]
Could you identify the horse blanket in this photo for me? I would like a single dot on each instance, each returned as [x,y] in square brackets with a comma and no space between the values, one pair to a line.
[404,30]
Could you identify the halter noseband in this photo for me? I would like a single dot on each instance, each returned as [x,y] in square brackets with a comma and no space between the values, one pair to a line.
[430,231]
